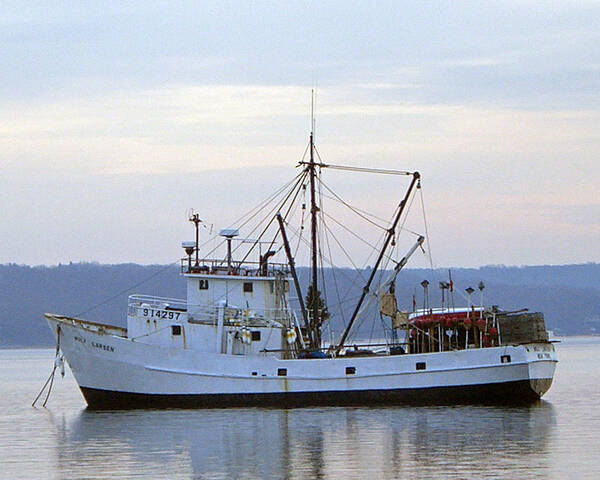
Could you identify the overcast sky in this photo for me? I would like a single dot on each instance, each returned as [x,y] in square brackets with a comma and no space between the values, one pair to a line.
[117,117]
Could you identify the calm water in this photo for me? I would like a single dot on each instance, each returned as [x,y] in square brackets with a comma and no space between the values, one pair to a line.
[556,438]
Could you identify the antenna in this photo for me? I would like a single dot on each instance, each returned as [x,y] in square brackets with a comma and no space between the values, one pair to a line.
[443,287]
[189,248]
[229,234]
[451,287]
[313,104]
[481,286]
[425,285]
[469,291]
[195,219]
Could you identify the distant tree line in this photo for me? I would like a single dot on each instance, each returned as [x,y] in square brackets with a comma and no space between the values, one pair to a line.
[568,295]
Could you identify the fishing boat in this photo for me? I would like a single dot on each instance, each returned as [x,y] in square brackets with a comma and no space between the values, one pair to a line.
[250,332]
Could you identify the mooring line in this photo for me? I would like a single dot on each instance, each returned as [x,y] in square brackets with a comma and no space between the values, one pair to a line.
[51,377]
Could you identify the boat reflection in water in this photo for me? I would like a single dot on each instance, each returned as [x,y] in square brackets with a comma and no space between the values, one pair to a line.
[472,441]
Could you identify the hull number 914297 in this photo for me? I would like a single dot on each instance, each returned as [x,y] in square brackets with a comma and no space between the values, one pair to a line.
[150,312]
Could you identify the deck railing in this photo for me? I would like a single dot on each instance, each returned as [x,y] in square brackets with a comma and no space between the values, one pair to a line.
[239,316]
[157,302]
[151,306]
[212,266]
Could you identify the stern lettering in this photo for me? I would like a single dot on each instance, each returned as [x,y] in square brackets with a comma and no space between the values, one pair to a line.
[106,348]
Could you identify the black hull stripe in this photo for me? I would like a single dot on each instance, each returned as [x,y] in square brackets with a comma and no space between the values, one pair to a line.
[517,392]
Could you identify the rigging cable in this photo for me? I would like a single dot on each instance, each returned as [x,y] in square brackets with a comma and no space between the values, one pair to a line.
[335,282]
[302,219]
[400,228]
[356,268]
[354,234]
[425,226]
[330,263]
[364,212]
[429,256]
[272,216]
[307,244]
[289,210]
[321,233]
[277,232]
[388,257]
[125,290]
[259,208]
[367,170]
[343,202]
[363,169]
[374,248]
[352,280]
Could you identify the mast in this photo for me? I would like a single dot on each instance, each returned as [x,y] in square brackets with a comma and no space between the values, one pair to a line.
[388,238]
[315,337]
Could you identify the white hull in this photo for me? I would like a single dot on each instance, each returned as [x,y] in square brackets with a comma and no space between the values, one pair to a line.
[114,371]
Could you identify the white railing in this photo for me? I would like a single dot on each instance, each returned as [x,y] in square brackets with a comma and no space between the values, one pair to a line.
[208,314]
[169,308]
[212,266]
[157,308]
[157,302]
[204,314]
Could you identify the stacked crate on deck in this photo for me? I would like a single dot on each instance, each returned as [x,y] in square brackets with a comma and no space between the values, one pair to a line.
[522,328]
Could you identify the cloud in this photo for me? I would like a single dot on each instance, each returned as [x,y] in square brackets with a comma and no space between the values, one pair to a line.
[195,128]
[496,104]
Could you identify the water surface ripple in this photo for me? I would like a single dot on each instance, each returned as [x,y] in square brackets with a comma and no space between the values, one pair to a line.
[554,438]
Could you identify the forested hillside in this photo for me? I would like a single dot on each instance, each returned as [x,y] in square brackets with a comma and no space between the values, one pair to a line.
[568,295]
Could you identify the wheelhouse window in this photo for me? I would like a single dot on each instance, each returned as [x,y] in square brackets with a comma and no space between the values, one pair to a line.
[247,287]
[203,284]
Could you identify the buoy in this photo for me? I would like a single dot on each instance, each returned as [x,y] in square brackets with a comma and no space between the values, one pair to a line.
[481,323]
[468,323]
[493,332]
[290,336]
[246,335]
[59,362]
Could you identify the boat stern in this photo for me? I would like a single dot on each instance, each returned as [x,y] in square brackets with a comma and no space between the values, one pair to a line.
[542,360]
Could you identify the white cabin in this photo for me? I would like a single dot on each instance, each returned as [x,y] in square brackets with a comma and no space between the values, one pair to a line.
[234,310]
